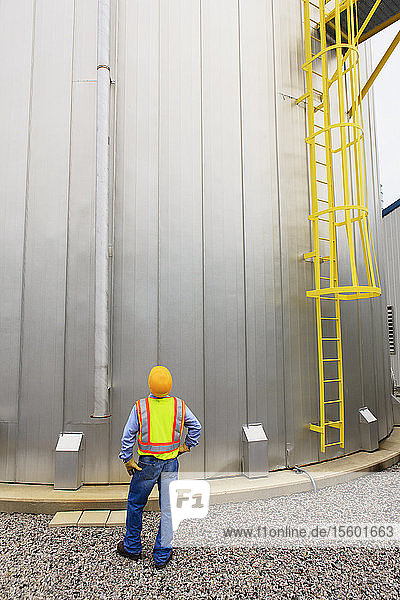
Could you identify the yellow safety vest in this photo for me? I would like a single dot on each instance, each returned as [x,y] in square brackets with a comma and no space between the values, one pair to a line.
[161,425]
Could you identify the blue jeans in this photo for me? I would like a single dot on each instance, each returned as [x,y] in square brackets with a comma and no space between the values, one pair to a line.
[154,470]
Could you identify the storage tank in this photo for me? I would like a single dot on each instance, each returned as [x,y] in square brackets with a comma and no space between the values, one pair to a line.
[208,221]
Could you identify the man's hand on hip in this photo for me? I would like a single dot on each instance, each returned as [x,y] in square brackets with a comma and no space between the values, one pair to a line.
[132,466]
[183,448]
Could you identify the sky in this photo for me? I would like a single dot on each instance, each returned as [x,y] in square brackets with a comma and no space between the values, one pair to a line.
[387,112]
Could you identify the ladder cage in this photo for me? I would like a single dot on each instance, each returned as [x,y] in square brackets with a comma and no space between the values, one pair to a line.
[343,254]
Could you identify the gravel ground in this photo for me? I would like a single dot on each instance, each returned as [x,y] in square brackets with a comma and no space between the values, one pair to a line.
[38,563]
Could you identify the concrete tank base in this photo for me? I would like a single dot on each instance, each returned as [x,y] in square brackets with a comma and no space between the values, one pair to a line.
[43,499]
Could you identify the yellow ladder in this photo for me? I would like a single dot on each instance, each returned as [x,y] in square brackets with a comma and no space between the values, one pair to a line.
[338,197]
[330,386]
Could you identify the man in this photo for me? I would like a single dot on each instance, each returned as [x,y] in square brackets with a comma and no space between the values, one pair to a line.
[159,421]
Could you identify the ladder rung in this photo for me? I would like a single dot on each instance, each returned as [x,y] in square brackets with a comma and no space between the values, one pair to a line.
[322,200]
[330,359]
[332,401]
[332,423]
[323,219]
[331,380]
[319,162]
[314,427]
[333,444]
[303,97]
[329,319]
[324,239]
[330,339]
[325,258]
[323,277]
[322,181]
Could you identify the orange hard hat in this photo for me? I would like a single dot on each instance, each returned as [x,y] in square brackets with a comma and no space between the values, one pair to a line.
[160,381]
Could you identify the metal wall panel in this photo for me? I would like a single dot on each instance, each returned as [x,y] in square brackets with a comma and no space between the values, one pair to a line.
[261,221]
[391,228]
[224,311]
[42,374]
[85,41]
[367,390]
[8,441]
[352,374]
[16,21]
[136,213]
[180,209]
[367,339]
[300,368]
[79,367]
[379,316]
[379,338]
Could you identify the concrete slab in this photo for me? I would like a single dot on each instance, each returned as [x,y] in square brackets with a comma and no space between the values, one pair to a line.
[44,499]
[117,518]
[93,518]
[66,518]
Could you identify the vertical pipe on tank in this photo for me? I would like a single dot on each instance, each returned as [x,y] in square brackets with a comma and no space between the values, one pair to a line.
[101,325]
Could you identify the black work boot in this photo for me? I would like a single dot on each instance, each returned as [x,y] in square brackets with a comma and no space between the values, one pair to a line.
[163,564]
[121,550]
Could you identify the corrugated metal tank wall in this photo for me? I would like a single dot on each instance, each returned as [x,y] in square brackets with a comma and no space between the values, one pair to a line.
[391,228]
[211,202]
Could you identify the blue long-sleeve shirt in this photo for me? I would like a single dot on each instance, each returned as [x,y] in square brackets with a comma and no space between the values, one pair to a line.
[131,430]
